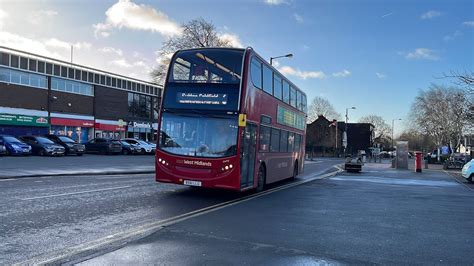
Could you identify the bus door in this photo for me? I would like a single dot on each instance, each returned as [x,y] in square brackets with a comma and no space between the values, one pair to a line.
[248,149]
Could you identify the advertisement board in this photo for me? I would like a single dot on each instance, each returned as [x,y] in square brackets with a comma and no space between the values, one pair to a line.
[23,120]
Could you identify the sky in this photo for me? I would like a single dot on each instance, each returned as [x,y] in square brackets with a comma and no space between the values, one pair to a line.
[370,54]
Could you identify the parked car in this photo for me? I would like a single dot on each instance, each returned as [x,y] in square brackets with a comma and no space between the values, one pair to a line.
[104,146]
[3,149]
[145,147]
[128,148]
[15,146]
[43,146]
[71,146]
[468,171]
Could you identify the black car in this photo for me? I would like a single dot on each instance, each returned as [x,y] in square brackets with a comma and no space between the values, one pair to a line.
[128,148]
[104,146]
[69,144]
[43,146]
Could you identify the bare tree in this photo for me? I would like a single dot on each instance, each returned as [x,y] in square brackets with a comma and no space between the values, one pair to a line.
[195,33]
[321,106]
[442,113]
[382,129]
[464,79]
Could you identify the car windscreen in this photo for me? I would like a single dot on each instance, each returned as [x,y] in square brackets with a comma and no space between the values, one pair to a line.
[12,140]
[66,139]
[44,140]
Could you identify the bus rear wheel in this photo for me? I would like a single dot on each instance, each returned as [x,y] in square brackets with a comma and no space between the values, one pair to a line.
[261,179]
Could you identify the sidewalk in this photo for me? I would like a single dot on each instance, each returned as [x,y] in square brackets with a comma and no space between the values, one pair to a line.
[35,166]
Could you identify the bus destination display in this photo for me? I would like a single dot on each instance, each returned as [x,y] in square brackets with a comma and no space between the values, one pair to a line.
[202,98]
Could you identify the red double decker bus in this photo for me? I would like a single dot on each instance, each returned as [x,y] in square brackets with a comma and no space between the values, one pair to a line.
[229,120]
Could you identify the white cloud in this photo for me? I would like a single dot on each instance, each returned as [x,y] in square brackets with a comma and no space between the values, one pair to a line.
[3,16]
[380,75]
[422,53]
[39,16]
[453,36]
[342,74]
[468,23]
[233,39]
[275,2]
[112,50]
[286,70]
[55,43]
[26,44]
[430,14]
[387,15]
[298,18]
[126,14]
[121,63]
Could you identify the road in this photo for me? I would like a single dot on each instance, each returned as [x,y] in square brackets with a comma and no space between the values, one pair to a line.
[381,216]
[41,216]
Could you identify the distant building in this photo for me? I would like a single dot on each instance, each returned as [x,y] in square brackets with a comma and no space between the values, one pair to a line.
[321,137]
[40,95]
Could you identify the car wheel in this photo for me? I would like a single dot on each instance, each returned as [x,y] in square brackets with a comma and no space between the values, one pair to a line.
[471,178]
[261,179]
[8,152]
[79,154]
[42,152]
[142,152]
[125,152]
[103,151]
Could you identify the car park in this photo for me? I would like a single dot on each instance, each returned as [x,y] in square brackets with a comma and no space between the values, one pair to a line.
[43,146]
[128,148]
[468,171]
[71,147]
[15,146]
[145,147]
[104,146]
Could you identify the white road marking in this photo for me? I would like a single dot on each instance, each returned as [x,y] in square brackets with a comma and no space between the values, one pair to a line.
[9,179]
[75,193]
[311,162]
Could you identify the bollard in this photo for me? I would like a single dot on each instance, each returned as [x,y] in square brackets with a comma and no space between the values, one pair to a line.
[418,156]
[426,164]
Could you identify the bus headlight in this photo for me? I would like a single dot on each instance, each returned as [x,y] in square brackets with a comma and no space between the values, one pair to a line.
[227,167]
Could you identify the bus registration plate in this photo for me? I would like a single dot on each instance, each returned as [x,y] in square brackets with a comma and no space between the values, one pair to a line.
[192,183]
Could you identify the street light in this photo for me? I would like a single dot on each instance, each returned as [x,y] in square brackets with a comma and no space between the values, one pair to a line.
[347,119]
[393,120]
[287,55]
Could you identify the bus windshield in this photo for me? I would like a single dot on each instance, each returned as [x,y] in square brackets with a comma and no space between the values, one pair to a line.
[207,66]
[198,135]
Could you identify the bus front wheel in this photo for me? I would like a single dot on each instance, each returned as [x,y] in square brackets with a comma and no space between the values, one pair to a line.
[261,179]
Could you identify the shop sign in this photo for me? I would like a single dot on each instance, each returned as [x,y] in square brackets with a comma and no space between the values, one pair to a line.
[23,120]
[72,122]
[139,125]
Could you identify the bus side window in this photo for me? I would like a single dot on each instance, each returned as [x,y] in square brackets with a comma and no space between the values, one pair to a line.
[256,72]
[292,97]
[284,141]
[299,101]
[275,140]
[267,80]
[286,92]
[291,142]
[297,142]
[264,138]
[303,100]
[277,88]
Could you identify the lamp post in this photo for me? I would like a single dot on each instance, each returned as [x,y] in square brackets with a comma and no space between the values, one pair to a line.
[347,137]
[393,122]
[287,55]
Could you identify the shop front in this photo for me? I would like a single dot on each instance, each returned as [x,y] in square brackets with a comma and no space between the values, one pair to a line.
[80,130]
[23,124]
[140,130]
[109,129]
